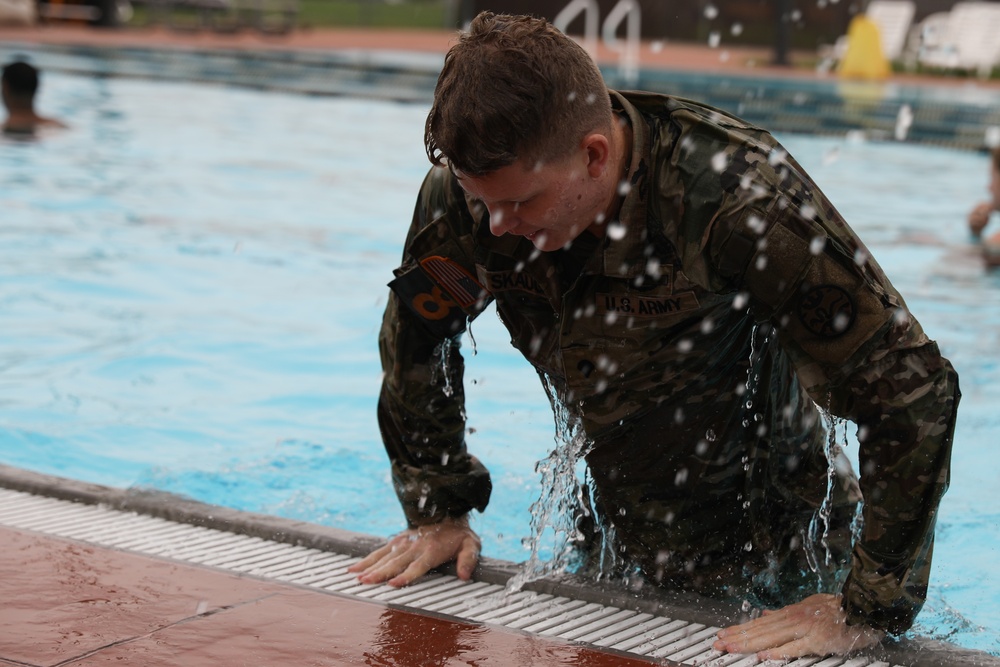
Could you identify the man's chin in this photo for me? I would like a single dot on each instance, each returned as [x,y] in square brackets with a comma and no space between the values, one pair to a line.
[541,241]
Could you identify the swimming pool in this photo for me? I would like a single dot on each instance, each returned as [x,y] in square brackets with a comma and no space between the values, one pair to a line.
[192,278]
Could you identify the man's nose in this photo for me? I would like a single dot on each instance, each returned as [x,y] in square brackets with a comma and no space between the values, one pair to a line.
[501,220]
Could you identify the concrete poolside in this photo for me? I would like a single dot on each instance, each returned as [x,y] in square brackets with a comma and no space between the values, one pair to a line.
[75,602]
[92,575]
[70,603]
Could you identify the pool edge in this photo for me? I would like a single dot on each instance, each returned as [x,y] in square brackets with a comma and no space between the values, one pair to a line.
[917,652]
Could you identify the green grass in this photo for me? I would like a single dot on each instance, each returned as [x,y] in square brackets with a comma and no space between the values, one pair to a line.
[373,14]
[326,13]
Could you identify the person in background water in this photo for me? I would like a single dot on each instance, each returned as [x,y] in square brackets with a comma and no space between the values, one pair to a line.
[688,296]
[979,217]
[20,84]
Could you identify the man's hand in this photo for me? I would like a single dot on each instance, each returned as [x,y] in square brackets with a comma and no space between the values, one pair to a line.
[414,552]
[979,218]
[815,626]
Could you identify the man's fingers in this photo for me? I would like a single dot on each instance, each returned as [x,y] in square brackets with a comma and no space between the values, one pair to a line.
[773,629]
[793,649]
[371,558]
[415,570]
[393,562]
[467,559]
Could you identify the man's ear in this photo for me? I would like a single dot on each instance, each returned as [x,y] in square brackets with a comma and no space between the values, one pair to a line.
[597,148]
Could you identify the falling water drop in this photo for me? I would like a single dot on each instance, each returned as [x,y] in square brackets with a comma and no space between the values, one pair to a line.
[616,231]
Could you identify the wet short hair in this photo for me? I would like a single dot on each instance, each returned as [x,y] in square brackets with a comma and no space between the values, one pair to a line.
[20,78]
[513,87]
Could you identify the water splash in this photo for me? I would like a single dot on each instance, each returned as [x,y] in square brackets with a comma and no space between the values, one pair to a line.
[554,526]
[443,352]
[819,555]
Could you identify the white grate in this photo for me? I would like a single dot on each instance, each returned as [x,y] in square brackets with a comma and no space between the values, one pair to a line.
[642,634]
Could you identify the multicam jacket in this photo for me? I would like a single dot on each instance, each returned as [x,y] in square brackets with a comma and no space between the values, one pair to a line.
[728,294]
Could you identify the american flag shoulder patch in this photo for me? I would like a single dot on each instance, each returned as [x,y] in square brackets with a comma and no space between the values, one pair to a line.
[454,279]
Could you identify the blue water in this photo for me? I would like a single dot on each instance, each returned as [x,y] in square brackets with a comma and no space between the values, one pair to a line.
[192,279]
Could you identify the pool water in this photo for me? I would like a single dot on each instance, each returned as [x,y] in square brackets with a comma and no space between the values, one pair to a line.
[192,279]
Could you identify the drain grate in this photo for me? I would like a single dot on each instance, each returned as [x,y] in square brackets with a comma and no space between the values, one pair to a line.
[640,633]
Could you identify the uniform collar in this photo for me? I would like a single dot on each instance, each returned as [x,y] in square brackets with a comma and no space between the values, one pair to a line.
[619,257]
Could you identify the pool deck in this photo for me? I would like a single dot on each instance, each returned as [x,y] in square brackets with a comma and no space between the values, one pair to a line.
[68,602]
[749,61]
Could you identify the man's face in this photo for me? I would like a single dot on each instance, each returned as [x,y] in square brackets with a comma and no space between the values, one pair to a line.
[549,204]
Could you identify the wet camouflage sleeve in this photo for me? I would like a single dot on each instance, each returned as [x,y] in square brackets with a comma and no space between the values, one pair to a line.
[421,406]
[856,348]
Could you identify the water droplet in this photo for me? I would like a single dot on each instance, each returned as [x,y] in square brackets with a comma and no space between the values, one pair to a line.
[904,119]
[736,29]
[616,231]
[711,11]
[624,187]
[817,244]
[685,345]
[860,256]
[681,477]
[720,161]
[808,212]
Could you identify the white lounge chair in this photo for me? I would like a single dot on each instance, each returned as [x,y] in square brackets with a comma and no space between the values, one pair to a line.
[967,39]
[893,18]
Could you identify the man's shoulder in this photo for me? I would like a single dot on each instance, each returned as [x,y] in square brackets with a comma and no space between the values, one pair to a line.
[683,109]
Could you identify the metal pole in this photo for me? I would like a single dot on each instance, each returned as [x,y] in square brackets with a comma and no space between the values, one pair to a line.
[783,10]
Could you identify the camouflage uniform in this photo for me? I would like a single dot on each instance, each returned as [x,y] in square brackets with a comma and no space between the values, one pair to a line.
[692,341]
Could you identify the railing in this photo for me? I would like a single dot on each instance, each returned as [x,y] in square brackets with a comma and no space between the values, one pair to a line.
[628,53]
[571,11]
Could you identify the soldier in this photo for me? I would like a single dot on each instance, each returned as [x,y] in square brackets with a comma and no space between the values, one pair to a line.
[689,296]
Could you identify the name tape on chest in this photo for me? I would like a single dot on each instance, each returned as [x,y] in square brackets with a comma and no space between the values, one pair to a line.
[512,281]
[640,305]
